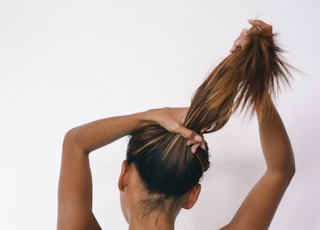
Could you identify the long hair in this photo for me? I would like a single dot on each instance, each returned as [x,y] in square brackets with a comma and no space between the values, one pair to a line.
[243,80]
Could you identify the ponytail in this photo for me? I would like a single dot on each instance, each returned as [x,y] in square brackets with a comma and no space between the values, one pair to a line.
[244,80]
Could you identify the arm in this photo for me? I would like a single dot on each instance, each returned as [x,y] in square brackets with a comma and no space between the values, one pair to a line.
[75,184]
[258,208]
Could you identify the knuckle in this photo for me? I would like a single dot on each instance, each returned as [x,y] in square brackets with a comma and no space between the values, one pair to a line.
[188,133]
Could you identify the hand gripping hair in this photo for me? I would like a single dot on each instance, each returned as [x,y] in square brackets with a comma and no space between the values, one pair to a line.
[243,80]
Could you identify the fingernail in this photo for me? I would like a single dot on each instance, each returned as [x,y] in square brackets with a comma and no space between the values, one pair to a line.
[198,138]
[189,142]
[193,149]
[203,146]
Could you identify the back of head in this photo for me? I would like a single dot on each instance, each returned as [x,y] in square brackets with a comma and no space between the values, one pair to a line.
[245,78]
[171,170]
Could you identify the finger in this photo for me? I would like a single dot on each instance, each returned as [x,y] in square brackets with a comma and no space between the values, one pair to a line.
[195,145]
[189,134]
[244,37]
[194,148]
[260,24]
[235,45]
[203,145]
[189,142]
[193,142]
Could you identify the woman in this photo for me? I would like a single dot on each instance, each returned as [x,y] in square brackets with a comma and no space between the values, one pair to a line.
[167,154]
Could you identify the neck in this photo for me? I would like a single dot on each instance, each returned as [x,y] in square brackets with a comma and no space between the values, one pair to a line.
[154,221]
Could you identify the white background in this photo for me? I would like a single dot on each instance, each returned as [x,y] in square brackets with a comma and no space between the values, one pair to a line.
[66,62]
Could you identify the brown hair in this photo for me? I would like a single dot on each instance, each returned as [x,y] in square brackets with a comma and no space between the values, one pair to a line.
[244,80]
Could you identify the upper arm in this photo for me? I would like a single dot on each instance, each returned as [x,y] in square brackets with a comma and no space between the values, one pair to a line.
[258,208]
[75,189]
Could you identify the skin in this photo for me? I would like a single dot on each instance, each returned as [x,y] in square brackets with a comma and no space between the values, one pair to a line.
[75,185]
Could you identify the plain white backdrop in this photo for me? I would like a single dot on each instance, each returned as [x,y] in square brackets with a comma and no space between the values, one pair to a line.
[66,62]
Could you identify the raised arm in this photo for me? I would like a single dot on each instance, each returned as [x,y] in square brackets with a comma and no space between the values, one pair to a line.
[258,208]
[75,185]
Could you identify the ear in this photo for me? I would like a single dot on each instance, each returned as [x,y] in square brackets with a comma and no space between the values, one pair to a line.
[124,176]
[192,197]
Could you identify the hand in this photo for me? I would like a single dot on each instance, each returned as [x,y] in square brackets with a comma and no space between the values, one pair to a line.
[172,120]
[242,40]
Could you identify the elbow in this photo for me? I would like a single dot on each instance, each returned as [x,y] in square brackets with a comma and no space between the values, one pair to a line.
[71,141]
[290,170]
[69,137]
[285,170]
[282,175]
[290,174]
[292,166]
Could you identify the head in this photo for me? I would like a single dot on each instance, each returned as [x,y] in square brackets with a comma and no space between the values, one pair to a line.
[164,169]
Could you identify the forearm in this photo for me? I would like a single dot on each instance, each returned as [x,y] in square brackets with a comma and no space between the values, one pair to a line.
[96,134]
[257,210]
[275,143]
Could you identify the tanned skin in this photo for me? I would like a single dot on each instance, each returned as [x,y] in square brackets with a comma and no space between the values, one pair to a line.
[256,211]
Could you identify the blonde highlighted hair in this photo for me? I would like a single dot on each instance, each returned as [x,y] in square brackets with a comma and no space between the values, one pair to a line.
[244,80]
